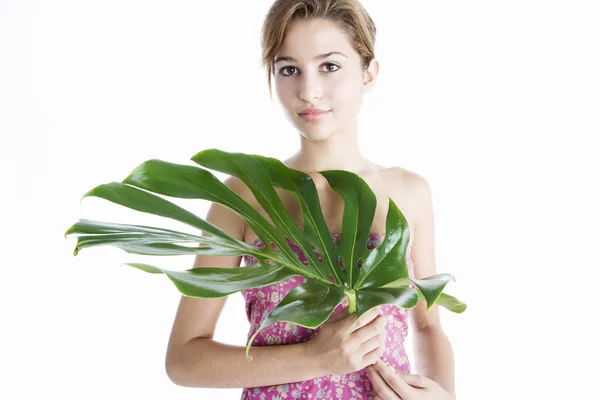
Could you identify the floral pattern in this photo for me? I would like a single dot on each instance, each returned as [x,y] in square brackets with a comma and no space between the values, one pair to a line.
[356,385]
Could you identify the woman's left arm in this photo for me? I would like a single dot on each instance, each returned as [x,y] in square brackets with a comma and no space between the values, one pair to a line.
[433,356]
[432,349]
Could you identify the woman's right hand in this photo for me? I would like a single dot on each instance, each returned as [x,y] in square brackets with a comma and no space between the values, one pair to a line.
[363,347]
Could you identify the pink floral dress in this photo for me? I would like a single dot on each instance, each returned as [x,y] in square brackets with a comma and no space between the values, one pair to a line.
[355,385]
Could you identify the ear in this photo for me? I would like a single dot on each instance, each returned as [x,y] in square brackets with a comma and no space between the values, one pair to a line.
[370,75]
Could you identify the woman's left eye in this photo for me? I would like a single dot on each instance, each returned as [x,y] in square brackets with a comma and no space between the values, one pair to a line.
[331,65]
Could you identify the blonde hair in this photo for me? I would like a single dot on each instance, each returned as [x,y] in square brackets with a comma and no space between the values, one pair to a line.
[348,15]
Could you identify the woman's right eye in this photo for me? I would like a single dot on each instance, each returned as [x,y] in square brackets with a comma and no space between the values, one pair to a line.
[283,69]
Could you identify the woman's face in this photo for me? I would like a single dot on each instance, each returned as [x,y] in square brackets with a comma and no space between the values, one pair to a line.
[336,82]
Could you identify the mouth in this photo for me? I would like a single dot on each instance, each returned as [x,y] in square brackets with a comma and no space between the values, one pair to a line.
[313,116]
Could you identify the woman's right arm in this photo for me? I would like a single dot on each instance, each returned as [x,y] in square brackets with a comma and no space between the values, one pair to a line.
[194,359]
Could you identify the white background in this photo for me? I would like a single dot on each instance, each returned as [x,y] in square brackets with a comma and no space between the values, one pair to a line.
[496,104]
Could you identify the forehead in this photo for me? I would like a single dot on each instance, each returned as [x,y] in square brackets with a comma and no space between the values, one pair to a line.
[305,39]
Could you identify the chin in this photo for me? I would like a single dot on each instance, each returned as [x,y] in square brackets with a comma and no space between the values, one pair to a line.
[315,135]
[314,131]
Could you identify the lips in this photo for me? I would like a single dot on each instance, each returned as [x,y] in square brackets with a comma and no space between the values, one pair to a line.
[313,116]
[314,112]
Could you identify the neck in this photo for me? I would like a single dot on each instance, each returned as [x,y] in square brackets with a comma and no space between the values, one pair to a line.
[338,151]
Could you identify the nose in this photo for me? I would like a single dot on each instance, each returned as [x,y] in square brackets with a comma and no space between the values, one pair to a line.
[311,88]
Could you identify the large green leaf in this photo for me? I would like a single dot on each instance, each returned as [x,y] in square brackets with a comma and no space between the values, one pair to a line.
[188,182]
[359,209]
[252,172]
[143,201]
[316,235]
[220,282]
[430,288]
[366,299]
[387,262]
[449,302]
[308,305]
[144,239]
[368,277]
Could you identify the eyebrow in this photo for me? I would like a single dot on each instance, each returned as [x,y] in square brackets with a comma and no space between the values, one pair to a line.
[319,57]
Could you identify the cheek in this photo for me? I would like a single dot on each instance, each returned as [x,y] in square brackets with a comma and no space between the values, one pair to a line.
[286,97]
[282,91]
[344,83]
[346,97]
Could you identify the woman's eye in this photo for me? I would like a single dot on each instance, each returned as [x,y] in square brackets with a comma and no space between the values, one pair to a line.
[282,70]
[331,65]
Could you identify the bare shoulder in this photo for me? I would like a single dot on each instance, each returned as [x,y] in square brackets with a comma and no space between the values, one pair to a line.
[237,185]
[240,188]
[410,192]
[410,184]
[225,218]
[404,177]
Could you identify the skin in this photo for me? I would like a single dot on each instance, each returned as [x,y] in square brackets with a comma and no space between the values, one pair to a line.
[338,83]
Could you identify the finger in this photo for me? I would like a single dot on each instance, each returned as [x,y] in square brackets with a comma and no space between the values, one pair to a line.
[369,345]
[369,316]
[415,380]
[380,386]
[372,329]
[353,324]
[393,379]
[370,358]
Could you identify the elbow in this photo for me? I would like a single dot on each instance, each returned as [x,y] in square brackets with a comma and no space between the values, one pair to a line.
[183,369]
[429,329]
[175,368]
[174,373]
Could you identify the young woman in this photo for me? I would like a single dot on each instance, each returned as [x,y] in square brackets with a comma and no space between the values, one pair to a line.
[321,56]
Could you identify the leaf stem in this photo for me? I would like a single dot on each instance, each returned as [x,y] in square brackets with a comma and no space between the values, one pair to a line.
[351,301]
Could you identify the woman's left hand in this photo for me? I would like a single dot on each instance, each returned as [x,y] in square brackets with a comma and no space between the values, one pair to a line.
[390,385]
